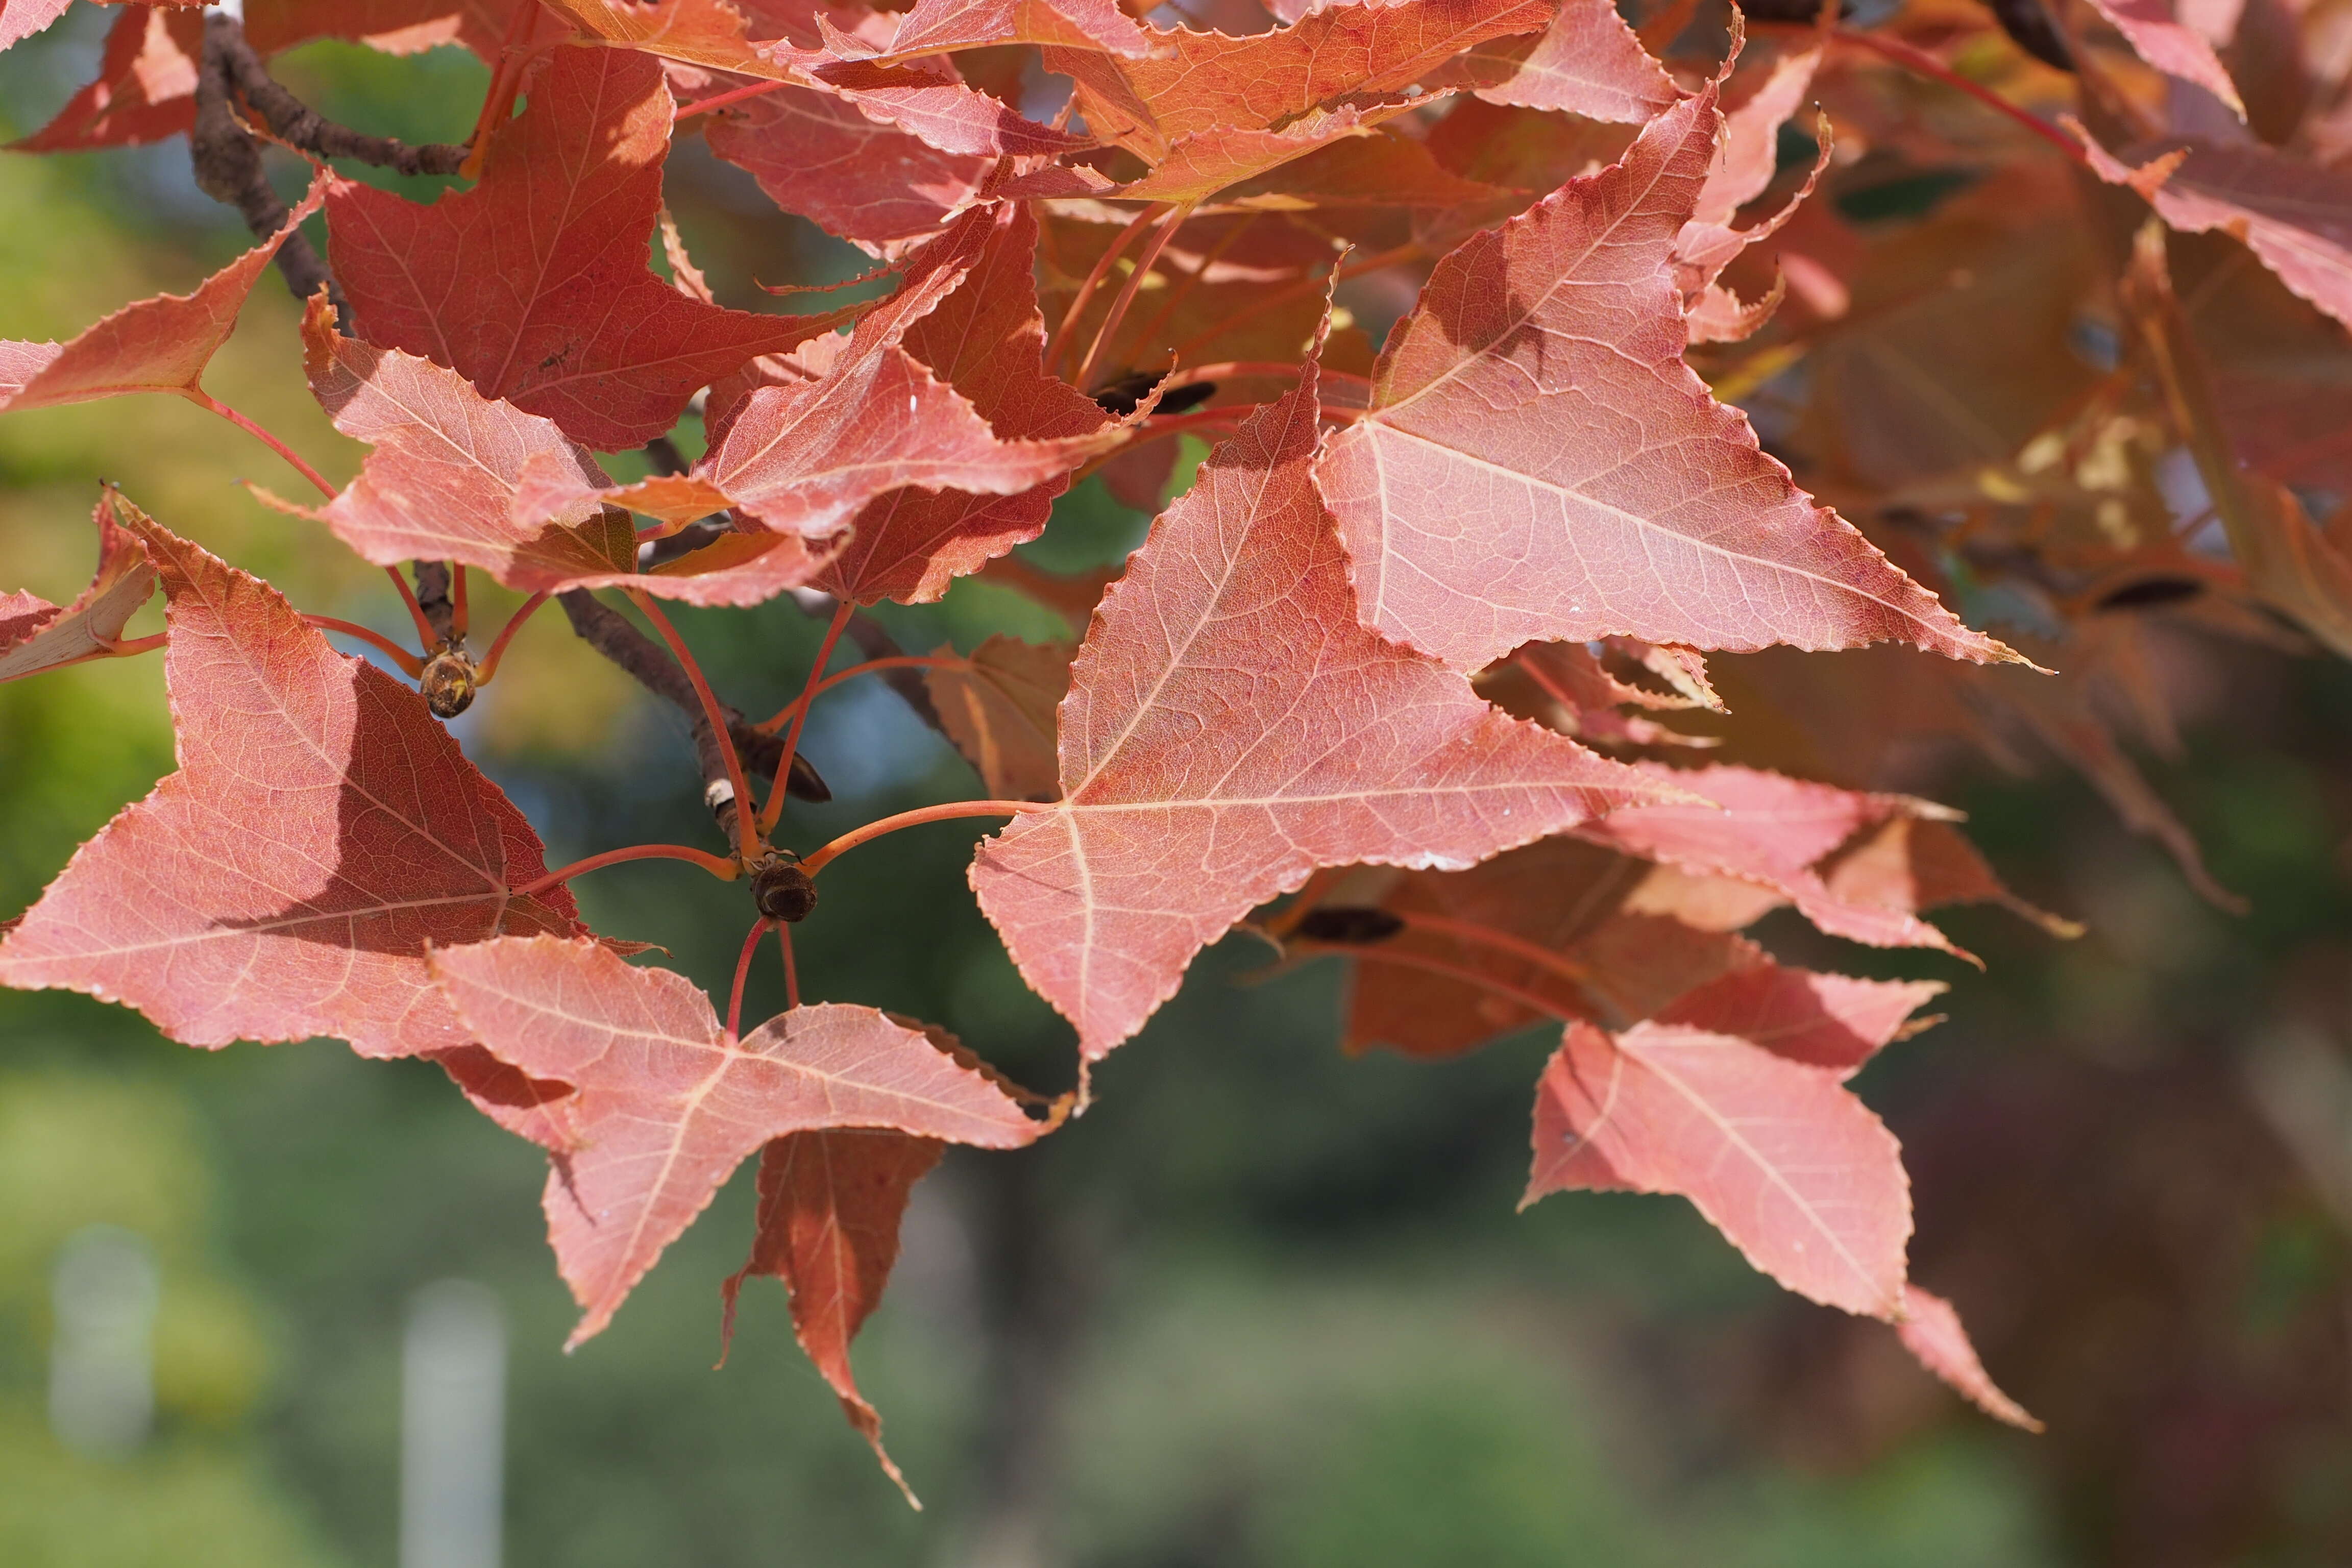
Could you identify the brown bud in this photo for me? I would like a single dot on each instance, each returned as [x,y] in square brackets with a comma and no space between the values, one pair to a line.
[448,683]
[780,890]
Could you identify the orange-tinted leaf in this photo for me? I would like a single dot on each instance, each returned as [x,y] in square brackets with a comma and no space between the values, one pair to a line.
[1832,1021]
[146,86]
[999,711]
[534,284]
[322,830]
[1539,464]
[1914,863]
[34,637]
[818,155]
[1931,1330]
[1198,84]
[666,1104]
[161,344]
[1780,1157]
[936,27]
[830,1204]
[710,33]
[1230,727]
[1587,62]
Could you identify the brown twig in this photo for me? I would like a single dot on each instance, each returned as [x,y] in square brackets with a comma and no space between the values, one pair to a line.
[613,634]
[227,161]
[298,125]
[432,598]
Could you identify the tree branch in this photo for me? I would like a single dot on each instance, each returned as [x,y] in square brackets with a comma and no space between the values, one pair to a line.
[297,124]
[616,637]
[229,163]
[433,597]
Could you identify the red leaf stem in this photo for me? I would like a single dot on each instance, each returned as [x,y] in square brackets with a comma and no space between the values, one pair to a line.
[718,866]
[896,661]
[489,665]
[947,812]
[1912,57]
[211,404]
[1172,219]
[410,664]
[743,972]
[747,832]
[774,807]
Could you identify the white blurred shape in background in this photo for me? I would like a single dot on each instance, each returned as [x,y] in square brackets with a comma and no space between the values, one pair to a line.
[452,1428]
[102,1357]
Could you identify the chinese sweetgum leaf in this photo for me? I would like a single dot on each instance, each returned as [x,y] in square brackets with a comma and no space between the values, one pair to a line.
[1931,1330]
[394,27]
[822,157]
[2295,215]
[2172,45]
[1230,727]
[806,455]
[1196,84]
[936,27]
[34,637]
[999,709]
[709,33]
[534,284]
[146,86]
[161,344]
[1587,62]
[322,830]
[455,476]
[1772,830]
[1539,464]
[987,341]
[20,19]
[1832,1021]
[1780,1157]
[830,1207]
[929,102]
[666,1104]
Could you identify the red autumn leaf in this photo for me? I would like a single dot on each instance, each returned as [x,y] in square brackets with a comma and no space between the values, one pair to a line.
[1587,62]
[2295,215]
[929,102]
[820,157]
[1230,727]
[987,341]
[534,284]
[830,1204]
[2172,45]
[710,33]
[1539,463]
[1772,830]
[22,18]
[1832,1021]
[937,26]
[35,635]
[322,830]
[395,27]
[146,86]
[1196,84]
[161,344]
[1914,863]
[1931,1330]
[458,477]
[1745,163]
[805,457]
[1780,1157]
[666,1104]
[999,709]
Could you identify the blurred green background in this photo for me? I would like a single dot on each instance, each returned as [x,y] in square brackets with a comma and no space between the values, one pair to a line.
[1263,1305]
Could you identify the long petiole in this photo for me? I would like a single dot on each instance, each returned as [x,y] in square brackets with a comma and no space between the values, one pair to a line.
[1289,292]
[774,805]
[896,661]
[727,99]
[743,972]
[505,80]
[747,832]
[457,615]
[211,404]
[792,971]
[409,663]
[718,866]
[1912,57]
[425,635]
[952,809]
[1087,289]
[489,665]
[1173,221]
[1468,976]
[135,646]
